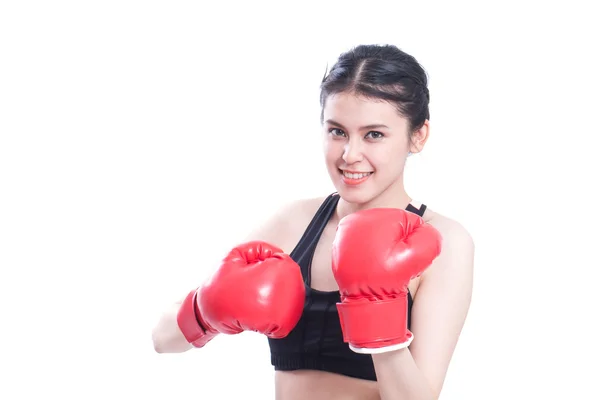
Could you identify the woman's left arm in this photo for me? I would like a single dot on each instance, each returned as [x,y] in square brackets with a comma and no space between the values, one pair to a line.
[439,311]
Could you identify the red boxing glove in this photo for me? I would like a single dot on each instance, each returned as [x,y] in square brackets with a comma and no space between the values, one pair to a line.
[376,252]
[194,328]
[257,288]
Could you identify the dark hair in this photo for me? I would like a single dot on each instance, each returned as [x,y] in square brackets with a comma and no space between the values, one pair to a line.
[381,72]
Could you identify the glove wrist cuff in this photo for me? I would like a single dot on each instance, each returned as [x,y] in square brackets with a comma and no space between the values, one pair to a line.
[190,323]
[375,326]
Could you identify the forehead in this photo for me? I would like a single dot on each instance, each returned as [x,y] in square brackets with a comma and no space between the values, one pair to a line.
[354,110]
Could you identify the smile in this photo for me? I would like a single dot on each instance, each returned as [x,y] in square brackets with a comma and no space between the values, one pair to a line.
[356,175]
[354,178]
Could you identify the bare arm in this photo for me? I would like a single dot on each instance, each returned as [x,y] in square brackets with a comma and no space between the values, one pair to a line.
[282,230]
[166,336]
[439,312]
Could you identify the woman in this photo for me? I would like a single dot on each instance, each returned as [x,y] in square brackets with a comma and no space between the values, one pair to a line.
[375,113]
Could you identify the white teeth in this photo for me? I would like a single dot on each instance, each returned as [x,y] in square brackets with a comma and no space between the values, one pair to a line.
[356,176]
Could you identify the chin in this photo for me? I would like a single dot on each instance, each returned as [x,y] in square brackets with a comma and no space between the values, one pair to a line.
[350,191]
[355,195]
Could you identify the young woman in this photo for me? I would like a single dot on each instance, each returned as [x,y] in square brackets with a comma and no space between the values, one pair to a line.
[371,324]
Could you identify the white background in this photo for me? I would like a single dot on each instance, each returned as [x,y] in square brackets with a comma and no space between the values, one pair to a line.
[140,140]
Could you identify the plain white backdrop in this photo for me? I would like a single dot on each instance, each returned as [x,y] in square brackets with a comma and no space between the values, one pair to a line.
[140,140]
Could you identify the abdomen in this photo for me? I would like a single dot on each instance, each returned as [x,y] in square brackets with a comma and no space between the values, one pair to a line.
[319,385]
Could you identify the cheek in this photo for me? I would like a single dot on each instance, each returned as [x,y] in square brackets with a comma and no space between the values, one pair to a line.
[386,158]
[333,150]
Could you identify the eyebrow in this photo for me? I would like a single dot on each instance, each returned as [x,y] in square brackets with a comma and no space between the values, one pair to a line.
[372,126]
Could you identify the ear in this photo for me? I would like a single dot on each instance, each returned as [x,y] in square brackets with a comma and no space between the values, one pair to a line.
[419,138]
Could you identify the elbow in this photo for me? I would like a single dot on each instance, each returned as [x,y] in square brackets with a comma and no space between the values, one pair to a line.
[162,342]
[158,345]
[162,347]
[436,393]
[165,343]
[158,348]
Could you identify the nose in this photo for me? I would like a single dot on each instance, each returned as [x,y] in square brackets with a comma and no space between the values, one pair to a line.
[352,152]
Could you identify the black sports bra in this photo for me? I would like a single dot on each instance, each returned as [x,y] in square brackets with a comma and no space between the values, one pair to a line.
[316,342]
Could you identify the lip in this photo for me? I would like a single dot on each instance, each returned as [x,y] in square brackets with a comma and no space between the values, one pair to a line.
[354,182]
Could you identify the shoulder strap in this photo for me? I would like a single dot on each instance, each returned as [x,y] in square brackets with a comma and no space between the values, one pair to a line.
[305,248]
[419,211]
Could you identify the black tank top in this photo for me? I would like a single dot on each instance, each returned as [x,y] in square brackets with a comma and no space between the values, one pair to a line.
[316,342]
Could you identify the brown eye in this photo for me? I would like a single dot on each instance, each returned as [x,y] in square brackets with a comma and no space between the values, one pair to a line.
[374,135]
[336,132]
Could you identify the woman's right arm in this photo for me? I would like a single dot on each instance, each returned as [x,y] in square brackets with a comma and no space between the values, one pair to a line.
[283,230]
[166,335]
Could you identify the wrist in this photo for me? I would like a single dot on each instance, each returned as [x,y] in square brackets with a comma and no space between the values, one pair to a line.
[393,356]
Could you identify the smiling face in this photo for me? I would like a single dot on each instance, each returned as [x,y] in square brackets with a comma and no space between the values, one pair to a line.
[366,145]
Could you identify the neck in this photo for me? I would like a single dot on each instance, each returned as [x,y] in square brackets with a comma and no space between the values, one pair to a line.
[393,197]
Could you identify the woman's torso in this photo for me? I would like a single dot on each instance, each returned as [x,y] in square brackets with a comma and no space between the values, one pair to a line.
[311,384]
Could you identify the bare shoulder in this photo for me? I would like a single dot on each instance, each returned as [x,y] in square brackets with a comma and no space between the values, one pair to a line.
[453,232]
[457,245]
[285,226]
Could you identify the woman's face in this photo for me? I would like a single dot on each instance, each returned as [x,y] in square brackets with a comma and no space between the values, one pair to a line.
[366,145]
